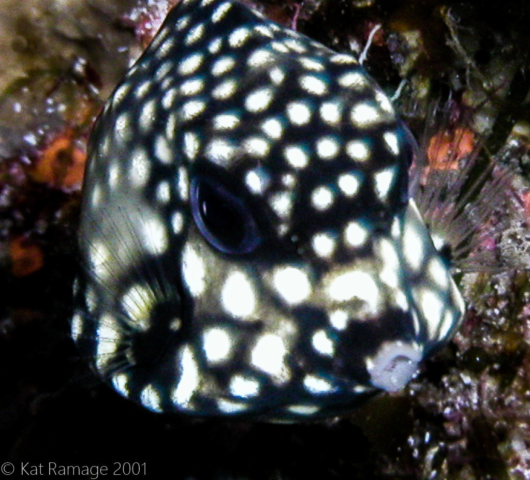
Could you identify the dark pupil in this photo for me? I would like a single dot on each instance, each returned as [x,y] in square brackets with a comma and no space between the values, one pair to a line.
[222,217]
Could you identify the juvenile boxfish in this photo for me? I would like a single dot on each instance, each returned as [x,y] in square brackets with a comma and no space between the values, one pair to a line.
[248,242]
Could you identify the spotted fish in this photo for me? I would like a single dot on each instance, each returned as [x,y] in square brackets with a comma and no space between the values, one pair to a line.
[248,240]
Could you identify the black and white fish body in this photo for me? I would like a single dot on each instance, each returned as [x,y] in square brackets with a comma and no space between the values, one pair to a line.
[248,240]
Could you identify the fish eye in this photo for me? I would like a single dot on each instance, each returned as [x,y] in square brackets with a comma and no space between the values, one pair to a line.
[223,218]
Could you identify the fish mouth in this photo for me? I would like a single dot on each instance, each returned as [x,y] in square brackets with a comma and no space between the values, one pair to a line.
[394,365]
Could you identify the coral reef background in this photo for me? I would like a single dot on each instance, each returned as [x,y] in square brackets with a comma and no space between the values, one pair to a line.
[466,416]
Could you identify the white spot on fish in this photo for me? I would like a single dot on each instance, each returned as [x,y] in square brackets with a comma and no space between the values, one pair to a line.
[177,222]
[256,147]
[192,109]
[140,167]
[282,204]
[256,181]
[292,284]
[349,184]
[330,112]
[221,11]
[191,145]
[258,100]
[225,90]
[313,85]
[238,295]
[220,151]
[226,121]
[188,88]
[163,150]
[191,64]
[269,355]
[189,378]
[298,113]
[296,156]
[322,343]
[323,245]
[238,37]
[391,140]
[217,345]
[383,182]
[150,398]
[355,284]
[338,319]
[194,35]
[322,198]
[317,385]
[193,271]
[357,150]
[245,387]
[327,148]
[355,234]
[223,65]
[355,80]
[260,58]
[273,128]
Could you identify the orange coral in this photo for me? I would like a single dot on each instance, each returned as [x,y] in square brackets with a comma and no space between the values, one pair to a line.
[448,147]
[62,163]
[26,257]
